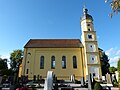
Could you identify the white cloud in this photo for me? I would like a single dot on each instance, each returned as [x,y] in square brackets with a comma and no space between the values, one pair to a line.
[118,52]
[108,52]
[114,55]
[5,56]
[114,59]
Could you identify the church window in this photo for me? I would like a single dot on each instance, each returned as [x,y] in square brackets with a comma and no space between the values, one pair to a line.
[91,46]
[74,62]
[90,36]
[88,29]
[27,71]
[42,62]
[53,62]
[63,62]
[93,59]
[88,24]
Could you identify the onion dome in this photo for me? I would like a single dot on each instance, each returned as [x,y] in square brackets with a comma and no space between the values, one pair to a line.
[86,15]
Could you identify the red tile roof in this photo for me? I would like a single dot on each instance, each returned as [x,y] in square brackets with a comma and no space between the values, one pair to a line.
[53,43]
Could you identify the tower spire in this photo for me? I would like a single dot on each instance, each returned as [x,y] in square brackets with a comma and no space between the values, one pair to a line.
[85,10]
[86,15]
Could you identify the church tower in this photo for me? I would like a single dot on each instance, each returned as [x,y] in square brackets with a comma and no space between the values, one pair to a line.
[92,59]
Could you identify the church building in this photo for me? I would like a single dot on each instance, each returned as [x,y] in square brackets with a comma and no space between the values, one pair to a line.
[65,57]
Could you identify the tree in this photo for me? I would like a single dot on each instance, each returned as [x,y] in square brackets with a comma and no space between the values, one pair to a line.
[3,63]
[115,6]
[104,64]
[3,66]
[118,68]
[16,58]
[112,69]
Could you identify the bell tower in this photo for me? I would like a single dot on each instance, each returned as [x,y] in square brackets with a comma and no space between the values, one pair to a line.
[92,59]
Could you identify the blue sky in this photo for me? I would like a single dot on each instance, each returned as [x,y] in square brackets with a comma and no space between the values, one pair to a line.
[21,20]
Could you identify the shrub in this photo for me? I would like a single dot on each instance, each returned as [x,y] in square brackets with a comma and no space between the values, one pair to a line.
[115,84]
[97,86]
[118,68]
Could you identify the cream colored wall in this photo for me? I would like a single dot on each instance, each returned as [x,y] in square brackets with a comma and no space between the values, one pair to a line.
[84,25]
[20,71]
[34,62]
[86,42]
[91,32]
[84,62]
[96,46]
[98,61]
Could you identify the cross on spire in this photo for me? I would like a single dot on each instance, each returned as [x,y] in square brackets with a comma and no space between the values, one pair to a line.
[85,10]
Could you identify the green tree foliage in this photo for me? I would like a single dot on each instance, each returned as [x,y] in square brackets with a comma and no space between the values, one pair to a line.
[118,68]
[115,6]
[16,59]
[3,63]
[112,69]
[118,65]
[104,64]
[3,67]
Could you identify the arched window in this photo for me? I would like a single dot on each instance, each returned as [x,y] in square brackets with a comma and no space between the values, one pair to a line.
[63,62]
[53,62]
[27,71]
[42,62]
[74,62]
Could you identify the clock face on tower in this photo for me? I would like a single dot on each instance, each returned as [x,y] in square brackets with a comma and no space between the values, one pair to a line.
[93,59]
[91,47]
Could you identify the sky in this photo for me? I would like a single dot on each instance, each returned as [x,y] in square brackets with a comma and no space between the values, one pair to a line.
[21,20]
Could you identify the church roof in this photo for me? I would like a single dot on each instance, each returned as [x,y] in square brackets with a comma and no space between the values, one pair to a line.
[53,43]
